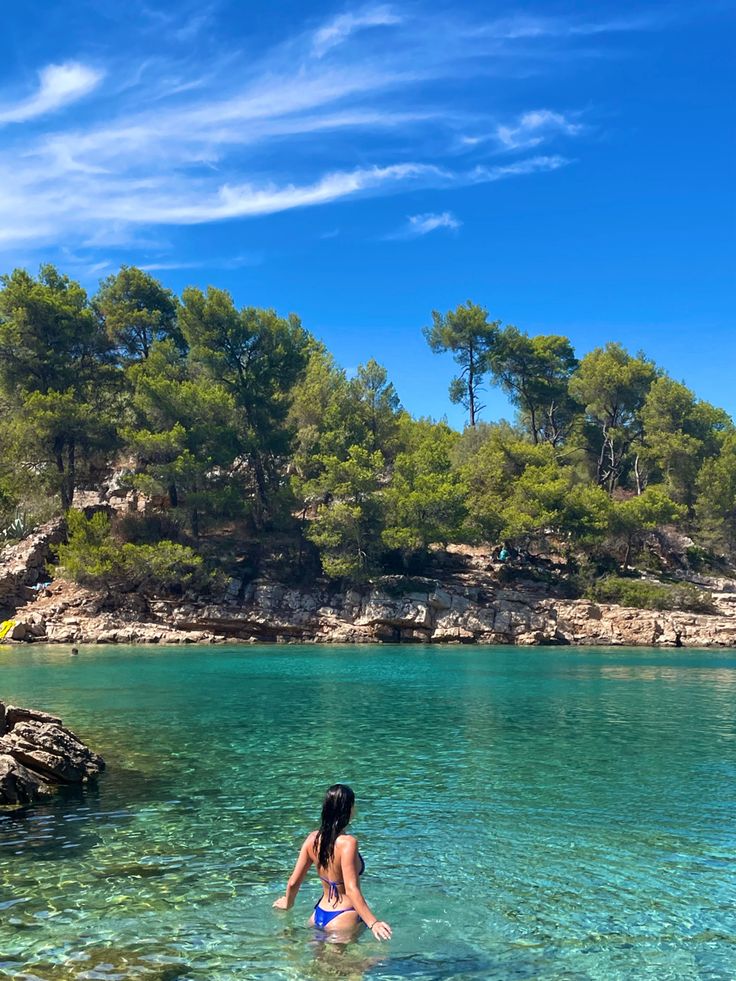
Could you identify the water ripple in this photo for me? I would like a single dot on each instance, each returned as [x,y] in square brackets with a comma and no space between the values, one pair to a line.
[524,814]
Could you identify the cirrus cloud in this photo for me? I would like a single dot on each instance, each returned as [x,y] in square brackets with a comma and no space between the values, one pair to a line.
[322,116]
[419,225]
[58,86]
[341,27]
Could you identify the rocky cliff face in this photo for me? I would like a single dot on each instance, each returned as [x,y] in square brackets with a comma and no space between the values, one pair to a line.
[469,607]
[442,613]
[431,612]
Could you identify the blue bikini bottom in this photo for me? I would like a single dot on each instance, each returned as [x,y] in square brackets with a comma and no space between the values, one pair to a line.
[322,916]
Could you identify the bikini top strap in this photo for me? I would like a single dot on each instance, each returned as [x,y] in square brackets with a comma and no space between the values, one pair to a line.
[333,892]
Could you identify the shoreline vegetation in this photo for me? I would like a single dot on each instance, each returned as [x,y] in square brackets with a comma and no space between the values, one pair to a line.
[176,468]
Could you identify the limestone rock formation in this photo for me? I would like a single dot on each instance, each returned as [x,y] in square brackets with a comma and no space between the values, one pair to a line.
[37,753]
[450,612]
[478,606]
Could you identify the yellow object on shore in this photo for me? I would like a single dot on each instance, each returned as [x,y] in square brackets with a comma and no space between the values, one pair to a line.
[5,627]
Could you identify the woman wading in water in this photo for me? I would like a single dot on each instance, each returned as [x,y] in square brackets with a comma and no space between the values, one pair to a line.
[339,865]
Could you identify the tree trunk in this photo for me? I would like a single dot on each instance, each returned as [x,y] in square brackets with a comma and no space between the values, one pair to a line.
[71,474]
[260,497]
[533,416]
[627,556]
[471,385]
[66,473]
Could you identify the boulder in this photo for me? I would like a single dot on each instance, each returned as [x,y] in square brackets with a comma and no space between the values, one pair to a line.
[17,784]
[452,635]
[20,631]
[37,752]
[15,714]
[59,634]
[52,750]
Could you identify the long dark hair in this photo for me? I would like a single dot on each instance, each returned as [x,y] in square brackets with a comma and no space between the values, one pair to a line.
[336,810]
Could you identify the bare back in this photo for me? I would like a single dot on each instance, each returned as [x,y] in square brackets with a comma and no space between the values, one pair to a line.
[332,875]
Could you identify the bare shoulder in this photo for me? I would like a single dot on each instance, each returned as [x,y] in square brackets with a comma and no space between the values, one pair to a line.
[310,842]
[347,843]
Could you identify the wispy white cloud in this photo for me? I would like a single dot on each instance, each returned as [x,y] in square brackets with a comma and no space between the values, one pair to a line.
[340,28]
[532,128]
[526,26]
[418,225]
[531,165]
[326,115]
[58,85]
[229,262]
[180,201]
[528,130]
[182,21]
[193,26]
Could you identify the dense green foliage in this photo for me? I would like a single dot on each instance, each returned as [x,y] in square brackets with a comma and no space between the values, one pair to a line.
[646,595]
[237,418]
[94,557]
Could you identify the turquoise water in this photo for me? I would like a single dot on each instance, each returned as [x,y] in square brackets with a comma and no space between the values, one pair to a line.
[547,814]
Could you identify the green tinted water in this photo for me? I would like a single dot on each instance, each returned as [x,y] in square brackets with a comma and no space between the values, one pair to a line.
[552,814]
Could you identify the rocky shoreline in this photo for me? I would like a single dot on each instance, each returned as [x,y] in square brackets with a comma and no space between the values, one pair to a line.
[474,606]
[38,753]
[431,613]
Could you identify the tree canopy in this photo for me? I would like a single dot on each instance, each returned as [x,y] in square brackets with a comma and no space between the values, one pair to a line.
[228,416]
[470,336]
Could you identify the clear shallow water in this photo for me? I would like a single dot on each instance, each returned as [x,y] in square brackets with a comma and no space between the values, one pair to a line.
[546,814]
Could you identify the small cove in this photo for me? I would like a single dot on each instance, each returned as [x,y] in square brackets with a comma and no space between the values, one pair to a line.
[547,813]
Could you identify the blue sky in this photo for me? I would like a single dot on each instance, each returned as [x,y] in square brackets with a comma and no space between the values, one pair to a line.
[568,166]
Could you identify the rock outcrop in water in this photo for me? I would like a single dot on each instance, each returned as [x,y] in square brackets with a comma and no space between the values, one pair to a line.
[38,753]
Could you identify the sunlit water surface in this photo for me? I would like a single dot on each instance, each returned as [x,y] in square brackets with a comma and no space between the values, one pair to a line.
[548,814]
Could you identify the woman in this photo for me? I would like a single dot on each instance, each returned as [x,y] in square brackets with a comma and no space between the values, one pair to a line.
[339,864]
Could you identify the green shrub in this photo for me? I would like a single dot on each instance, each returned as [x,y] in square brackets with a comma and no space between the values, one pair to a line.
[94,558]
[696,557]
[147,529]
[685,596]
[643,594]
[399,586]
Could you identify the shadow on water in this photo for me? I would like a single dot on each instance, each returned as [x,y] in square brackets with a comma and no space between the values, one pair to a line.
[49,829]
[466,965]
[350,962]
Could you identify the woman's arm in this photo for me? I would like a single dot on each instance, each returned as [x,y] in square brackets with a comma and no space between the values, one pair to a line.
[349,866]
[297,876]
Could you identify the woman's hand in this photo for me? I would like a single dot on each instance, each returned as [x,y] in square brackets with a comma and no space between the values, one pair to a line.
[381,930]
[281,903]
